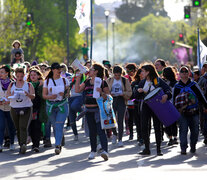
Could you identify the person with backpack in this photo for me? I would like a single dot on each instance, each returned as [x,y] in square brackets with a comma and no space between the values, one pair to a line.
[21,94]
[150,82]
[120,89]
[55,92]
[186,95]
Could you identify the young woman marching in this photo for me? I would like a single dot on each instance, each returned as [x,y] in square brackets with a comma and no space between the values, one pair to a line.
[92,109]
[36,78]
[22,94]
[5,117]
[151,82]
[55,91]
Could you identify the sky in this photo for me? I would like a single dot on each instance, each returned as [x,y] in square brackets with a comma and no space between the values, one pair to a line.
[175,10]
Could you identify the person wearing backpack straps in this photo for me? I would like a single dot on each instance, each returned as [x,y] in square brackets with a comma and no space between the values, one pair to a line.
[55,91]
[186,95]
[121,91]
[22,93]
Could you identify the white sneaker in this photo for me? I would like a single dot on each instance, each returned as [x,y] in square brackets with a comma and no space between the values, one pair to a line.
[105,155]
[11,147]
[76,138]
[114,139]
[120,144]
[92,155]
[1,149]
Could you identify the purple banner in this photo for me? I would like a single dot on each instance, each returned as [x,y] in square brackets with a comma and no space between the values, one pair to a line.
[182,54]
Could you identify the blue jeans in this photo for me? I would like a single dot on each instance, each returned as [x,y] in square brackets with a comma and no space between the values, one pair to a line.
[75,104]
[191,122]
[57,119]
[94,130]
[5,119]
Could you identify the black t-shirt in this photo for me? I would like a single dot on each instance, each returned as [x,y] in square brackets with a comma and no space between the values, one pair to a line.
[88,91]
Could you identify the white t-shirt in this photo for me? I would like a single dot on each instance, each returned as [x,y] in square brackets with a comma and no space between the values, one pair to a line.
[117,88]
[52,89]
[148,85]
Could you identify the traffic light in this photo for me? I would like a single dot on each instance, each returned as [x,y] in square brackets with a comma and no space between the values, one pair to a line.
[186,12]
[196,3]
[181,37]
[29,20]
[173,42]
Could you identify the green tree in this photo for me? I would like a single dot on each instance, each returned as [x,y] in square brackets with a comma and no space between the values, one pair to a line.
[50,20]
[12,26]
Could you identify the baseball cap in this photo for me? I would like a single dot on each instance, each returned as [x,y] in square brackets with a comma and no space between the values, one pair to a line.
[56,66]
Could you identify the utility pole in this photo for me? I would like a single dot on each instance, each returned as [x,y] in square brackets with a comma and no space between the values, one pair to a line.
[67,31]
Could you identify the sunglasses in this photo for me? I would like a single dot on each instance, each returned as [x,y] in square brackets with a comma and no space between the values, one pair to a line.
[184,71]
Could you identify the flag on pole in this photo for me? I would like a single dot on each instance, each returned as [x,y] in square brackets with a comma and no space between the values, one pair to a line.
[198,51]
[203,53]
[82,14]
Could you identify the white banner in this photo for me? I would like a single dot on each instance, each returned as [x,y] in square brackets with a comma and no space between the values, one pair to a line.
[203,53]
[82,14]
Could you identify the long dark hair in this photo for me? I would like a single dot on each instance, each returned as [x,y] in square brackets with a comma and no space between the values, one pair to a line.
[169,74]
[7,69]
[152,71]
[100,69]
[137,75]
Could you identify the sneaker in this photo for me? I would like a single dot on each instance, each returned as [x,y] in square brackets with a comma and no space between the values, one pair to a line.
[36,149]
[120,144]
[159,153]
[105,155]
[76,138]
[183,152]
[145,152]
[7,143]
[47,143]
[114,139]
[23,149]
[57,150]
[98,148]
[92,155]
[11,147]
[170,143]
[1,149]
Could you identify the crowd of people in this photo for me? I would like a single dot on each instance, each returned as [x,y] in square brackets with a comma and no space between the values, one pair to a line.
[37,97]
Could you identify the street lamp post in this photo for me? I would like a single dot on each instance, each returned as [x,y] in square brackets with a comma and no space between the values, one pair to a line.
[113,20]
[107,33]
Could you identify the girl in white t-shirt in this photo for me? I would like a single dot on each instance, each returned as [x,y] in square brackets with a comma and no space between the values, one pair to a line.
[55,91]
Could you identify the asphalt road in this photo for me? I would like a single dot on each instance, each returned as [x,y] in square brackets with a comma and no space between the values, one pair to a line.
[124,163]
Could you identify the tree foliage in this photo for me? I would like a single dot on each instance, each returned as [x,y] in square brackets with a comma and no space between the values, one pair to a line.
[12,26]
